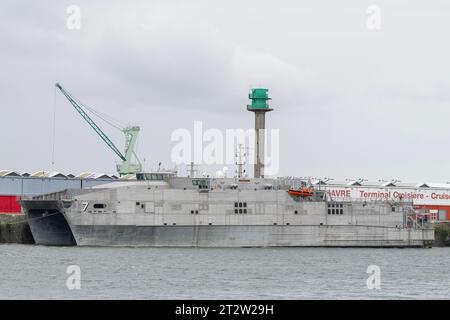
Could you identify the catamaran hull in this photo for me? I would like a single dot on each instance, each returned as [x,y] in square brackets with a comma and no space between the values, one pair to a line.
[47,223]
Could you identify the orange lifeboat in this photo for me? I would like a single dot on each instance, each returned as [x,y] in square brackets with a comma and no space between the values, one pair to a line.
[302,192]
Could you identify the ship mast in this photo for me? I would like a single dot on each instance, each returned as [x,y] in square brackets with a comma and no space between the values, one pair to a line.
[192,169]
[240,160]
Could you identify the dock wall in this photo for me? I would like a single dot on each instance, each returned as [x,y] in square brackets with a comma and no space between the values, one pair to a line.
[442,234]
[14,229]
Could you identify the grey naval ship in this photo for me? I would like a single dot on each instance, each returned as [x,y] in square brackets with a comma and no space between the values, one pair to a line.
[161,209]
[164,209]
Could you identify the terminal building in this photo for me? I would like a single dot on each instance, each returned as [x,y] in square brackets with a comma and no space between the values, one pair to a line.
[432,198]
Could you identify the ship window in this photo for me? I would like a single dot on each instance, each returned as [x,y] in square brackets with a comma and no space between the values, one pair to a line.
[196,211]
[393,209]
[245,204]
[99,206]
[240,211]
[67,204]
[333,211]
[235,204]
[150,176]
[235,211]
[245,211]
[202,184]
[240,204]
[192,211]
[138,203]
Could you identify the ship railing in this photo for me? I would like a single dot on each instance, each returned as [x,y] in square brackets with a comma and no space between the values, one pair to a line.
[414,222]
[60,195]
[415,219]
[392,202]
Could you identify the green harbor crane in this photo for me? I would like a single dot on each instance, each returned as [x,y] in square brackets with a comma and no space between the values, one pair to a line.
[130,162]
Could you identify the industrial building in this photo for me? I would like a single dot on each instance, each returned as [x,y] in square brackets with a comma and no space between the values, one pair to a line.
[15,186]
[432,198]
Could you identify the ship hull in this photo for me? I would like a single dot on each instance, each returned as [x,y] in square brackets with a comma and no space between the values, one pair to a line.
[146,216]
[250,236]
[47,223]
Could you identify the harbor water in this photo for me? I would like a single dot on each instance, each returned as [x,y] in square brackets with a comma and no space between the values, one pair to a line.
[39,272]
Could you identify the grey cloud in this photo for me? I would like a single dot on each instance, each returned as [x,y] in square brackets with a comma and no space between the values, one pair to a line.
[371,104]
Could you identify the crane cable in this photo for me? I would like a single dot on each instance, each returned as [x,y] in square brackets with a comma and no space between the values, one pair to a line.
[103,116]
[106,118]
[54,131]
[119,125]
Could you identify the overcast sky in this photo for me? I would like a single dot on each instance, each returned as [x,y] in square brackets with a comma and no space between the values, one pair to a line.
[349,102]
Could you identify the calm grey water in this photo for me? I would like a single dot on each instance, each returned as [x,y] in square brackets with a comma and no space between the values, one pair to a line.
[37,272]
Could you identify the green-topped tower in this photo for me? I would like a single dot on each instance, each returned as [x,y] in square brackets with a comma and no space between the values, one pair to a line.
[259,106]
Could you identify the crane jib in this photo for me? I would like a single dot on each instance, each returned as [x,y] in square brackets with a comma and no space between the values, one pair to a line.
[91,122]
